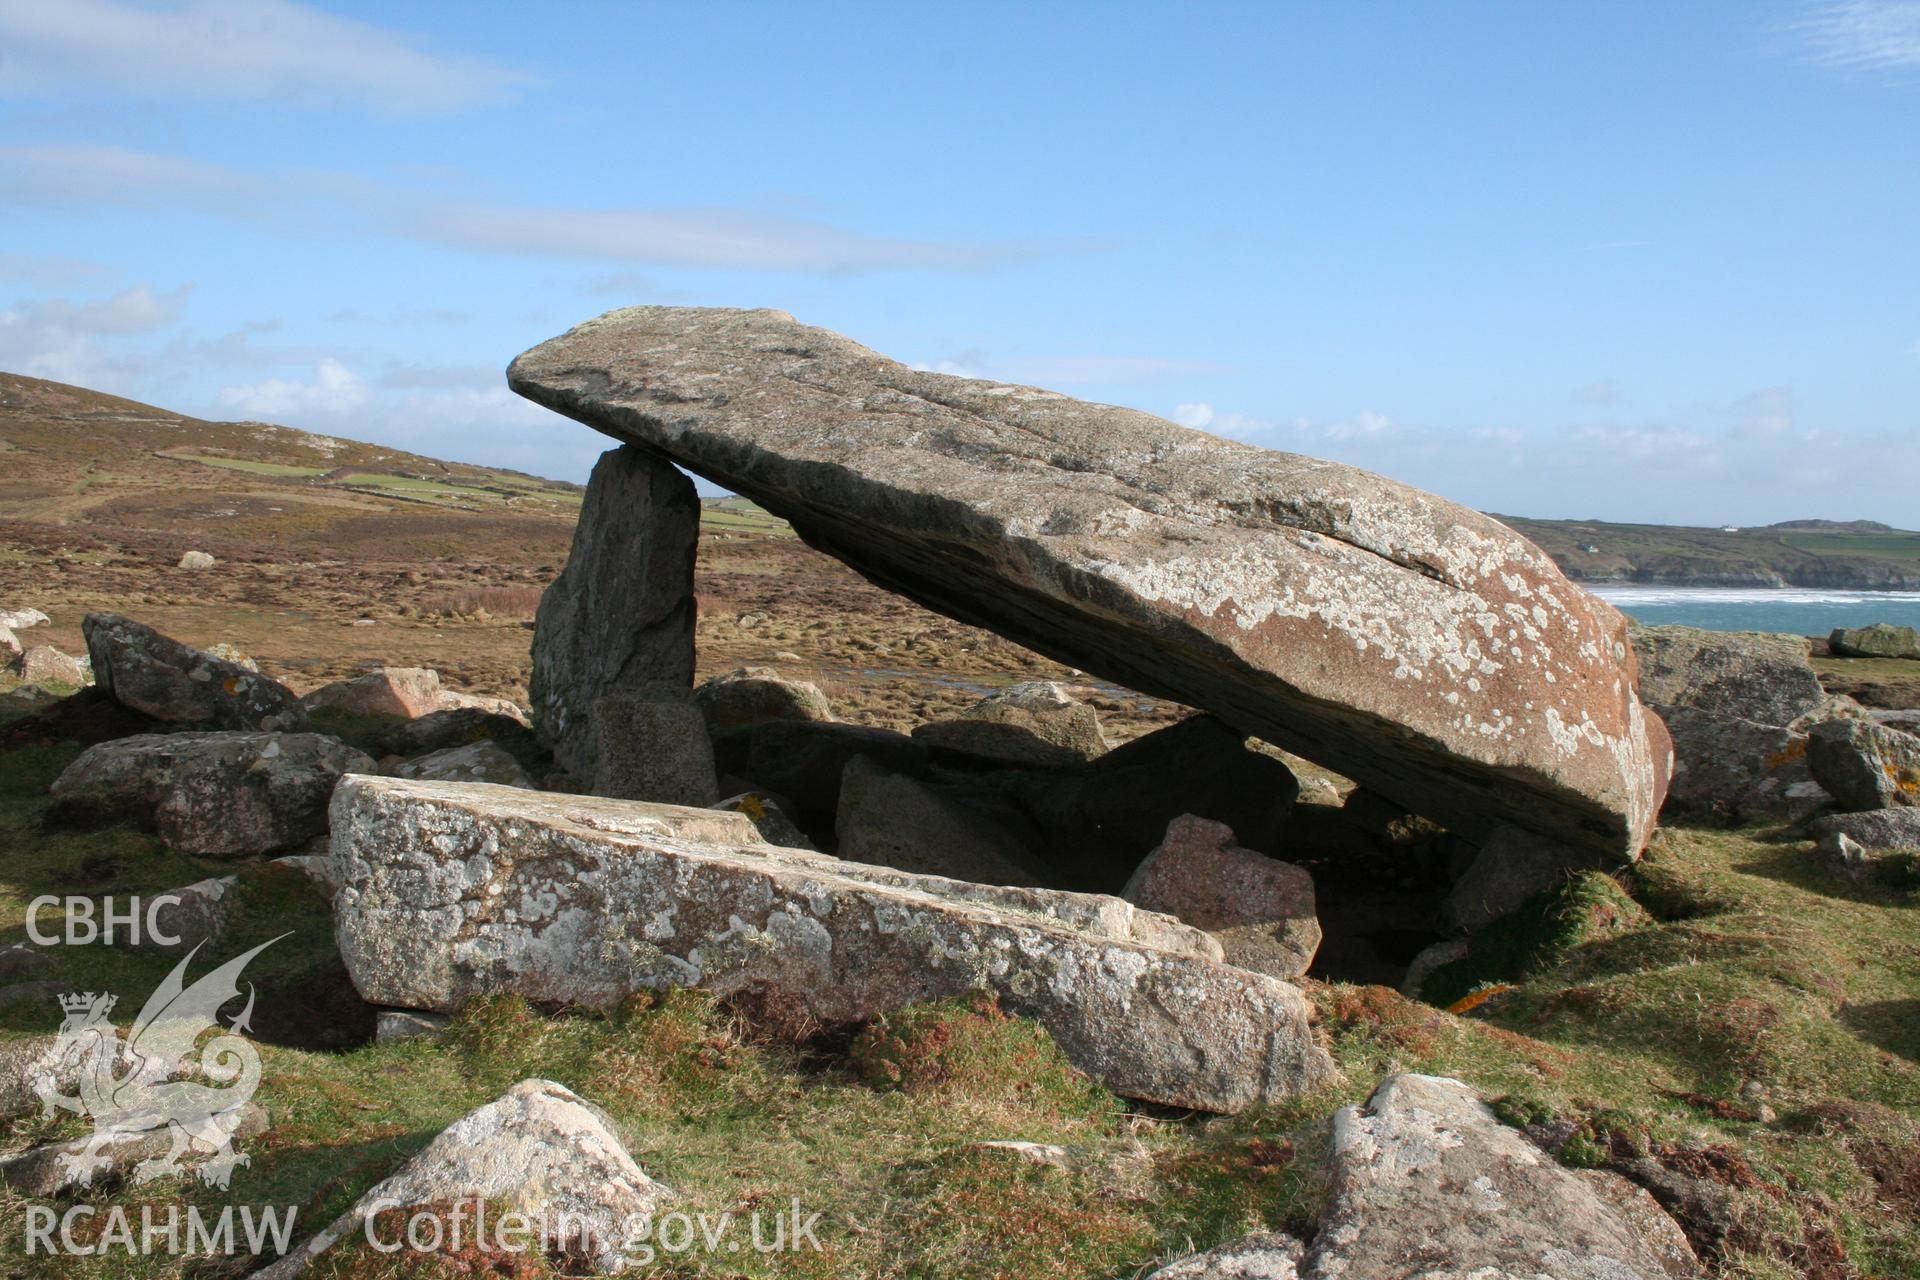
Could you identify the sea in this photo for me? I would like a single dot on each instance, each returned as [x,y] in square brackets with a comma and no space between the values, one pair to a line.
[1798,611]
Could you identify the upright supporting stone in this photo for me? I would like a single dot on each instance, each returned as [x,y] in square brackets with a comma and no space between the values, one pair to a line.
[621,614]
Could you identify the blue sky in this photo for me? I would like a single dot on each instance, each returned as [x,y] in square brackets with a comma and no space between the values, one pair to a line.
[1627,261]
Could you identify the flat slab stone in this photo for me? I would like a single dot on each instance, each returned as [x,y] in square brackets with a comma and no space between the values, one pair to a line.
[1421,648]
[451,890]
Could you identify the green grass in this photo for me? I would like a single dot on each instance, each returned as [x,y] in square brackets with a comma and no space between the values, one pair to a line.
[740,516]
[1891,546]
[1648,1016]
[277,470]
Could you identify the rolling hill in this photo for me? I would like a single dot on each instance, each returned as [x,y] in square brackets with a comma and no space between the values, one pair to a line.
[1856,555]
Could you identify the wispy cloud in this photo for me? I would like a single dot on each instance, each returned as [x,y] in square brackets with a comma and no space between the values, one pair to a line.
[702,238]
[237,50]
[1300,431]
[1863,34]
[136,310]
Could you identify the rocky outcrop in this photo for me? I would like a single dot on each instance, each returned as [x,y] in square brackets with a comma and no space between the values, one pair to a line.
[1877,830]
[651,743]
[190,914]
[1261,909]
[141,669]
[475,762]
[405,692]
[1510,868]
[506,708]
[46,667]
[891,820]
[52,1168]
[10,646]
[1094,822]
[452,890]
[1730,767]
[195,560]
[622,612]
[749,696]
[539,1150]
[806,761]
[1881,640]
[1409,643]
[217,794]
[1754,675]
[769,816]
[1844,854]
[23,619]
[1428,1182]
[1265,1255]
[1866,765]
[457,727]
[1036,723]
[1737,705]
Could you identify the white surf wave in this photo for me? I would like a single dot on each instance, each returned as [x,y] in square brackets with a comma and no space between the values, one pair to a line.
[1658,595]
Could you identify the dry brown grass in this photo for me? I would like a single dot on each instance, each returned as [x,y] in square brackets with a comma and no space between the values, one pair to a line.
[506,601]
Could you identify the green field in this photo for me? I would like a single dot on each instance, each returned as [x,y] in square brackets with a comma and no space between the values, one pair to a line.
[740,516]
[278,470]
[1891,546]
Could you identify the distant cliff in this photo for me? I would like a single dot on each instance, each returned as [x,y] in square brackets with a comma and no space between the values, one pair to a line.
[1857,555]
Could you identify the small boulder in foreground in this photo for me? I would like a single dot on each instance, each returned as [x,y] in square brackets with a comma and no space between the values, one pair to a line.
[539,1149]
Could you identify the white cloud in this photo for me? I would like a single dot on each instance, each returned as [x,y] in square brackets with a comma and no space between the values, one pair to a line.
[136,310]
[1864,34]
[335,389]
[1197,416]
[270,51]
[1363,423]
[730,239]
[83,341]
